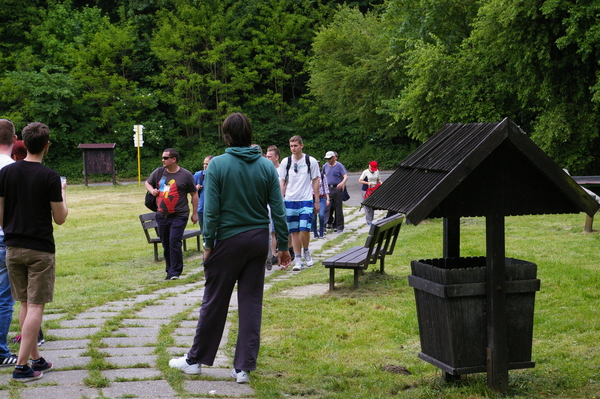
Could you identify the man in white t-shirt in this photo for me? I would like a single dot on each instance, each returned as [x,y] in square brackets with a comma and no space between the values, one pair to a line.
[7,139]
[299,178]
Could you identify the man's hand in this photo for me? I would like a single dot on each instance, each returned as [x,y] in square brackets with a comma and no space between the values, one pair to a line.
[194,217]
[208,251]
[284,259]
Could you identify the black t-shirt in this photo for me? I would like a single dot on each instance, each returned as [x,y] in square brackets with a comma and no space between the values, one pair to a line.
[173,188]
[28,188]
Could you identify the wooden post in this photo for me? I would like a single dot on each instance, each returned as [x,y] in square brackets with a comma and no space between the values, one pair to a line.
[589,222]
[497,347]
[451,237]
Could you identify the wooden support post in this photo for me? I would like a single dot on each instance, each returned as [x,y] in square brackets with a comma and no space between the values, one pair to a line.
[589,222]
[497,347]
[451,237]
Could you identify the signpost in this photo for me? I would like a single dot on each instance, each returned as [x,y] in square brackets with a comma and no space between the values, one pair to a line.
[138,141]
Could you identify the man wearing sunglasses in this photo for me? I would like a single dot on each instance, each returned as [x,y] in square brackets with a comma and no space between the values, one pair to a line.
[299,179]
[170,185]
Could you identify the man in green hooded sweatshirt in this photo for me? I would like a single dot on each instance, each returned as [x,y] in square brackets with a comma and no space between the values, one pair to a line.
[237,189]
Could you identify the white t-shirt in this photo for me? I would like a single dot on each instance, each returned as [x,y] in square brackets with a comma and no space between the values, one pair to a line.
[4,160]
[372,177]
[299,186]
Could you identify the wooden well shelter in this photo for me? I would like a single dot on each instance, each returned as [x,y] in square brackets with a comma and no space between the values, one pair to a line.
[489,170]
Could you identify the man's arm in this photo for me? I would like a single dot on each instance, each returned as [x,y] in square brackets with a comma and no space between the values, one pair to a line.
[59,209]
[343,182]
[151,189]
[194,195]
[315,184]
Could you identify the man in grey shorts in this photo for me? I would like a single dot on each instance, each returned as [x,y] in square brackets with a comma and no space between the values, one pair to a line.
[31,196]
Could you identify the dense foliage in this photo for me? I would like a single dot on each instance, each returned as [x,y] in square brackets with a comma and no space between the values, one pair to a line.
[366,79]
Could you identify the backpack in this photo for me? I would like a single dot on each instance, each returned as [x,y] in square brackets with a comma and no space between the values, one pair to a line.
[289,163]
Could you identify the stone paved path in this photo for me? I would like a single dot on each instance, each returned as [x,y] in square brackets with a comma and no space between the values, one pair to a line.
[126,336]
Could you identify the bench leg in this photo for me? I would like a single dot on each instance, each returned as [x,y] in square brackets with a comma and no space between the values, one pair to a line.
[356,272]
[331,279]
[198,242]
[184,245]
[589,221]
[155,252]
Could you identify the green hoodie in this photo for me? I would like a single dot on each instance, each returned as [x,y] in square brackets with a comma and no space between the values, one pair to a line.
[237,188]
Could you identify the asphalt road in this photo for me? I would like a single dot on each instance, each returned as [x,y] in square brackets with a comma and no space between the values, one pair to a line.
[355,189]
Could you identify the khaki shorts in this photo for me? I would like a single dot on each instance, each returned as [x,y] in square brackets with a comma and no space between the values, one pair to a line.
[32,274]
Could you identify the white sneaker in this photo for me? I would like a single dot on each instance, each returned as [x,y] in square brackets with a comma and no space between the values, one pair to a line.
[298,265]
[181,364]
[308,258]
[242,377]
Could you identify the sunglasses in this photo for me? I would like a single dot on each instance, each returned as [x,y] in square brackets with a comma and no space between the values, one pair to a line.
[295,168]
[165,158]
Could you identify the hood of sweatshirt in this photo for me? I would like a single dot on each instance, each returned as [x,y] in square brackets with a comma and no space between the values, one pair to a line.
[248,154]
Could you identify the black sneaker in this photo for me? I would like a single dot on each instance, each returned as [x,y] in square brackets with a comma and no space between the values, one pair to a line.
[10,360]
[41,365]
[27,375]
[269,264]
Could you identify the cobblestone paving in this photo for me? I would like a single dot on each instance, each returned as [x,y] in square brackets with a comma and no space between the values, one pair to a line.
[133,366]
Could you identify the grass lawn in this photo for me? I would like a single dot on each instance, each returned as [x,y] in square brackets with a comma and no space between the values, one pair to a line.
[338,345]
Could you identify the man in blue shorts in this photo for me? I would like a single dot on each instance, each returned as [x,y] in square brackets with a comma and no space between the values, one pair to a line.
[299,178]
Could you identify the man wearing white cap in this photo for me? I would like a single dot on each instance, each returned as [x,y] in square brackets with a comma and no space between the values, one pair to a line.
[336,177]
[370,178]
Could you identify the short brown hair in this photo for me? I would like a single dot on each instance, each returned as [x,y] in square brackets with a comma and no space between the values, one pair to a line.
[35,137]
[7,132]
[275,150]
[296,138]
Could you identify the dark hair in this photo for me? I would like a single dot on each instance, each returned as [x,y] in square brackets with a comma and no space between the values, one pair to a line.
[173,153]
[237,130]
[35,137]
[7,132]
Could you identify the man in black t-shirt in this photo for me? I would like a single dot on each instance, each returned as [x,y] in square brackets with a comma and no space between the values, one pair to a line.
[31,197]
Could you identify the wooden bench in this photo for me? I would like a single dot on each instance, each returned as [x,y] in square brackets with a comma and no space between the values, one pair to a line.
[149,224]
[591,183]
[380,242]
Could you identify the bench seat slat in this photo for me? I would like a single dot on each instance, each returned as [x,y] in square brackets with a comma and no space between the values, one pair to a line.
[352,257]
[379,243]
[149,223]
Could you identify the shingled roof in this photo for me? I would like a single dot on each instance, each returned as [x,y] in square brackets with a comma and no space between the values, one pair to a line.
[480,169]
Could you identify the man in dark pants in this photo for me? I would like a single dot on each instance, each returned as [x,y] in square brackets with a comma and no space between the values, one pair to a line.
[238,187]
[336,178]
[170,185]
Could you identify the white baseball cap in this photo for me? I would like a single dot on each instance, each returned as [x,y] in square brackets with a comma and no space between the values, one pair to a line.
[330,154]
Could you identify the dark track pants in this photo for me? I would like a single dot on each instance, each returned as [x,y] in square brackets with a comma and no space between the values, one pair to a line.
[240,259]
[170,230]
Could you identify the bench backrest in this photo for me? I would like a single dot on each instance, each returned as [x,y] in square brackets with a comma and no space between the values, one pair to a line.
[382,238]
[148,221]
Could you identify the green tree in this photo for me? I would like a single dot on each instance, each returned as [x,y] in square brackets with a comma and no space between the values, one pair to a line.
[352,69]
